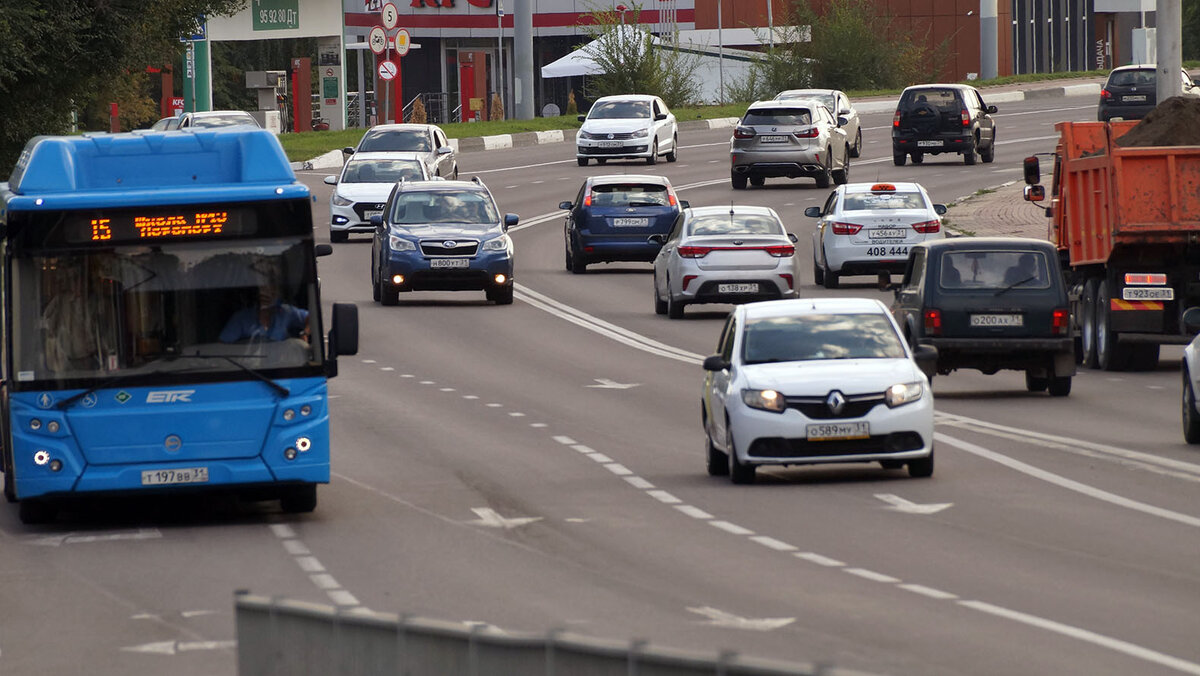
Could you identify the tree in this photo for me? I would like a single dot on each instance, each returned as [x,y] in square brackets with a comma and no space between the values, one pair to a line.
[68,55]
[630,63]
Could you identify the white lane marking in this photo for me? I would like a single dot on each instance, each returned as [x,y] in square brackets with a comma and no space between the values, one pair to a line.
[516,414]
[772,543]
[872,575]
[599,457]
[324,581]
[720,618]
[618,469]
[283,531]
[198,613]
[566,441]
[72,539]
[174,647]
[1088,636]
[313,567]
[731,528]
[310,564]
[694,512]
[447,389]
[494,405]
[586,450]
[605,383]
[296,548]
[342,597]
[813,557]
[928,591]
[387,368]
[1069,484]
[664,497]
[538,425]
[492,519]
[639,483]
[899,504]
[429,382]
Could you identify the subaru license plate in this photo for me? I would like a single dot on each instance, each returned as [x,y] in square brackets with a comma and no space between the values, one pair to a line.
[834,431]
[449,263]
[182,475]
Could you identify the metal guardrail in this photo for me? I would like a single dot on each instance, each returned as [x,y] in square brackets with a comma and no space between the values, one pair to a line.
[279,637]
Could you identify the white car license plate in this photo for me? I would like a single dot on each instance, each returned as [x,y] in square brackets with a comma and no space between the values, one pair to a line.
[1148,293]
[183,475]
[449,263]
[772,138]
[886,233]
[737,288]
[368,214]
[630,222]
[929,144]
[609,144]
[997,320]
[1134,98]
[833,431]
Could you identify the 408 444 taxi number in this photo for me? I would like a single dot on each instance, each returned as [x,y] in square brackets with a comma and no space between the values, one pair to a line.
[901,251]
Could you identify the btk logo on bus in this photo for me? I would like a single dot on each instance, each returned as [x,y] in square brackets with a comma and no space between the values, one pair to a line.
[169,396]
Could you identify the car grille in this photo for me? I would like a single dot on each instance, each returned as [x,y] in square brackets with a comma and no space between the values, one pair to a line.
[815,408]
[779,447]
[590,150]
[361,208]
[437,247]
[615,136]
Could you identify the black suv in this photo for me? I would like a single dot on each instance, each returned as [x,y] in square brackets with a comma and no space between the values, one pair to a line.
[990,303]
[1132,91]
[943,118]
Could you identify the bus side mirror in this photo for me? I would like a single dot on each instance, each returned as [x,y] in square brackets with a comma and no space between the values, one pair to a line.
[1033,174]
[1035,193]
[343,333]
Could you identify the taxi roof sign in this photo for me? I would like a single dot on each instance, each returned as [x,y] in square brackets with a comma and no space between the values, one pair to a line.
[883,187]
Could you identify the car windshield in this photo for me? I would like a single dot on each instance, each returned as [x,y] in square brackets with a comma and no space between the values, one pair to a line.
[222,120]
[870,201]
[820,336]
[469,208]
[789,116]
[825,99]
[630,195]
[381,171]
[994,270]
[735,224]
[1129,78]
[410,140]
[620,110]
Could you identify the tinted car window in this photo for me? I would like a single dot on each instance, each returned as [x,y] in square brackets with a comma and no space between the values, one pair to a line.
[629,195]
[1128,78]
[893,200]
[619,110]
[994,270]
[820,336]
[411,140]
[724,224]
[419,208]
[942,99]
[778,116]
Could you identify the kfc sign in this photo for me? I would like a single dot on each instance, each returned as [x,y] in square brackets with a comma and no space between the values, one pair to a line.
[418,4]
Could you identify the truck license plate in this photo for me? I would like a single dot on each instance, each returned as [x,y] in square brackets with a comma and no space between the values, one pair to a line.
[1148,293]
[182,475]
[449,263]
[833,431]
[737,288]
[997,320]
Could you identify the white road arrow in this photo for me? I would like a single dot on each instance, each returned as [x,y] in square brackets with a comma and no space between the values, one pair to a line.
[606,384]
[899,504]
[174,647]
[720,618]
[490,518]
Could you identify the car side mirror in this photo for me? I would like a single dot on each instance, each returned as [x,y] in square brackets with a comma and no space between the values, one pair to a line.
[991,110]
[843,121]
[377,221]
[565,205]
[1033,172]
[1035,193]
[348,150]
[684,204]
[926,357]
[660,117]
[939,209]
[657,239]
[511,220]
[445,150]
[715,363]
[582,117]
[844,111]
[343,333]
[794,238]
[331,180]
[1191,320]
[813,212]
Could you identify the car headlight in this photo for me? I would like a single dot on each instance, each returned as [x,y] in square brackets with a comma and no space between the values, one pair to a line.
[766,400]
[585,135]
[902,393]
[398,243]
[496,244]
[339,201]
[641,133]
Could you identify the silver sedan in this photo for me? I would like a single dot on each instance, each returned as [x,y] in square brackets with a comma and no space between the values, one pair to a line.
[733,254]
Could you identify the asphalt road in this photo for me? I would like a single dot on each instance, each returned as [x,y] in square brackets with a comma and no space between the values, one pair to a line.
[541,465]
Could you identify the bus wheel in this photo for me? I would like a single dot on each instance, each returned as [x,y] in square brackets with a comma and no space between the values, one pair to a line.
[34,512]
[300,500]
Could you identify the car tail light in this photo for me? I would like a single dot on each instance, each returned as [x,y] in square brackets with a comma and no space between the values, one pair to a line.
[780,251]
[788,279]
[933,322]
[927,227]
[845,228]
[743,132]
[587,200]
[896,119]
[671,199]
[966,118]
[811,132]
[1105,94]
[687,279]
[694,251]
[1059,322]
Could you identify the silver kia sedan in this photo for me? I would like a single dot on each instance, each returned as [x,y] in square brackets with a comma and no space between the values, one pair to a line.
[724,254]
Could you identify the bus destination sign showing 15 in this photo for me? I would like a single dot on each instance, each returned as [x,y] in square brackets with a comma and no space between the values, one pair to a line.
[194,224]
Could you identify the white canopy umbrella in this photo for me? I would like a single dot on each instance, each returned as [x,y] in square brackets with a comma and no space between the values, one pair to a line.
[581,61]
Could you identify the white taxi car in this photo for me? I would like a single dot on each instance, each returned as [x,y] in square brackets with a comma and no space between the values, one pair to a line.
[867,228]
[816,381]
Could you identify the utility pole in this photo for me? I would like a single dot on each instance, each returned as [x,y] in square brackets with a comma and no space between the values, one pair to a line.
[988,41]
[523,59]
[1168,43]
[721,52]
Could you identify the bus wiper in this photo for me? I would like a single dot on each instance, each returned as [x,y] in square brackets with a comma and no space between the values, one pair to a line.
[1014,285]
[166,357]
[279,389]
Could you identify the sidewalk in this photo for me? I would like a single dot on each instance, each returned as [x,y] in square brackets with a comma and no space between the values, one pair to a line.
[1001,212]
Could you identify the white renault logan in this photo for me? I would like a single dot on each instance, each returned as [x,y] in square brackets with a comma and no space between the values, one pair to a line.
[813,381]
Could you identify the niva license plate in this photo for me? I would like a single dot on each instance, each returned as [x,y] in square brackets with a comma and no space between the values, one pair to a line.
[983,321]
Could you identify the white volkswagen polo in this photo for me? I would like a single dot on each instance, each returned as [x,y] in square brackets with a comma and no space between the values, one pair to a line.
[814,381]
[632,126]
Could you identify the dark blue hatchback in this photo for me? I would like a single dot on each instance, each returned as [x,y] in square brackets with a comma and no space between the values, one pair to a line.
[613,217]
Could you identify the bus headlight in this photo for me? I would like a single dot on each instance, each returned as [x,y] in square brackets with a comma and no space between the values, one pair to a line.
[289,453]
[41,457]
[303,444]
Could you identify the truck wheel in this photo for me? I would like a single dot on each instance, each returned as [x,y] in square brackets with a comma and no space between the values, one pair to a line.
[1110,355]
[1087,325]
[1191,419]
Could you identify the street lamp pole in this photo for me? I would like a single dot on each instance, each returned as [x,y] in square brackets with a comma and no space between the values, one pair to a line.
[499,55]
[721,51]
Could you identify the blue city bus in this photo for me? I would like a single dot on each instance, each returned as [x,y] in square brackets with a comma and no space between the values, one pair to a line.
[162,322]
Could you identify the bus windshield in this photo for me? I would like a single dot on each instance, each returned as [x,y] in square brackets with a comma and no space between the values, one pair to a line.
[205,309]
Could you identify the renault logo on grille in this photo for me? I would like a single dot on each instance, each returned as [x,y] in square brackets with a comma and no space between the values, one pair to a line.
[449,244]
[836,401]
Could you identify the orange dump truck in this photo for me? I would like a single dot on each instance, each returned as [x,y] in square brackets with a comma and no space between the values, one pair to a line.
[1127,224]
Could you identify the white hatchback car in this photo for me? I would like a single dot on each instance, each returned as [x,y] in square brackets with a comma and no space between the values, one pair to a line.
[363,188]
[633,126]
[733,254]
[867,228]
[816,381]
[839,104]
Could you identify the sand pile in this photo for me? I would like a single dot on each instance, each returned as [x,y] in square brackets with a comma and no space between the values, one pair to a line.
[1174,122]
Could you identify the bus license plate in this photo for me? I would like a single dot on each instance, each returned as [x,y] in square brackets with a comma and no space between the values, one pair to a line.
[449,263]
[997,320]
[630,222]
[885,233]
[834,431]
[182,475]
[1148,293]
[737,288]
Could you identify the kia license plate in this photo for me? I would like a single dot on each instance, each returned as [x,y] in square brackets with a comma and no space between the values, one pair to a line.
[630,222]
[929,144]
[1148,293]
[737,288]
[182,475]
[835,431]
[987,321]
[772,138]
[886,233]
[449,263]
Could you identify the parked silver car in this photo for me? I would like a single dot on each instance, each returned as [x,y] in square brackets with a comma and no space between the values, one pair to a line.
[794,138]
[839,104]
[427,139]
[724,254]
